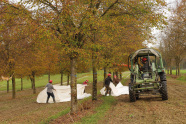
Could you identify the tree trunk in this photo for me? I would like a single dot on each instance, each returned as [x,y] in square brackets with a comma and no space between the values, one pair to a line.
[176,70]
[7,86]
[105,75]
[31,79]
[48,75]
[179,69]
[13,87]
[74,106]
[94,84]
[21,83]
[33,82]
[120,76]
[170,70]
[61,77]
[68,77]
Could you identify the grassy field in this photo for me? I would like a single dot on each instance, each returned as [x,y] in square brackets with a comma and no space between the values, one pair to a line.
[182,77]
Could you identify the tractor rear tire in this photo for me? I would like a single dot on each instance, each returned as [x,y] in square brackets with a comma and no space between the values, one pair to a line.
[132,93]
[137,96]
[163,90]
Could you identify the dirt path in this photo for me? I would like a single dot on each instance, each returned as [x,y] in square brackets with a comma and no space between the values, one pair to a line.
[151,110]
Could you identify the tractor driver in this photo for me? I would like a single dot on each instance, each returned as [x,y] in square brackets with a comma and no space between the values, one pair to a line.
[145,66]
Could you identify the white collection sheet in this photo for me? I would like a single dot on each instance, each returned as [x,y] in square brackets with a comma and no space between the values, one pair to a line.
[117,90]
[62,94]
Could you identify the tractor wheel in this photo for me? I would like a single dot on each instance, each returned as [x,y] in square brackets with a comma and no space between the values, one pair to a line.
[137,96]
[163,90]
[131,93]
[162,76]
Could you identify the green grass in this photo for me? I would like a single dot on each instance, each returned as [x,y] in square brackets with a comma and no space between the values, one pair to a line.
[182,78]
[99,111]
[67,110]
[183,75]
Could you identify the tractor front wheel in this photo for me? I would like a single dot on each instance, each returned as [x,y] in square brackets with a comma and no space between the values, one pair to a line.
[131,93]
[163,90]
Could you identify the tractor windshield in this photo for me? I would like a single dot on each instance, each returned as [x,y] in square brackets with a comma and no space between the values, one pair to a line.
[151,56]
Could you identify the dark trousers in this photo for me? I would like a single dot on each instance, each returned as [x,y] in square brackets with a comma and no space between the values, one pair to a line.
[52,95]
[108,89]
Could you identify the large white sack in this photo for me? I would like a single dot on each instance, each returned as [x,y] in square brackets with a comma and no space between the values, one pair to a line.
[62,94]
[117,90]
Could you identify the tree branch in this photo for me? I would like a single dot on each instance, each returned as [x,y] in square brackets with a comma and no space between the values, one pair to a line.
[109,8]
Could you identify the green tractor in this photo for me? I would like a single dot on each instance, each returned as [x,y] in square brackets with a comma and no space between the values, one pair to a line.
[147,74]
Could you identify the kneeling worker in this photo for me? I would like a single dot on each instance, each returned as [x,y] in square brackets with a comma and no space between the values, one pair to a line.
[107,83]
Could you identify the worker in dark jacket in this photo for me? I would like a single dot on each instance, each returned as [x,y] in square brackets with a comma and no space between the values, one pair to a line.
[107,83]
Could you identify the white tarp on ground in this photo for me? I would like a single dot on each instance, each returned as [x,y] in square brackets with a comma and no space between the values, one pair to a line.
[62,94]
[117,90]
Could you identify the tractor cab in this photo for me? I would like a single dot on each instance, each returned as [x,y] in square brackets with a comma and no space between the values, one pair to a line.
[147,73]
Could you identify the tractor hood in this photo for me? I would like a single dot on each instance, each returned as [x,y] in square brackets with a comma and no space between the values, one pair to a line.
[146,52]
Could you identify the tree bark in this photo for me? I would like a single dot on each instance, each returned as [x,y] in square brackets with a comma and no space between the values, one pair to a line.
[13,87]
[33,82]
[179,69]
[170,70]
[48,75]
[21,83]
[120,76]
[94,84]
[74,106]
[7,86]
[68,77]
[61,78]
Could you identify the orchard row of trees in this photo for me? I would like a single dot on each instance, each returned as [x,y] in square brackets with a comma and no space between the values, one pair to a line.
[173,44]
[70,36]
